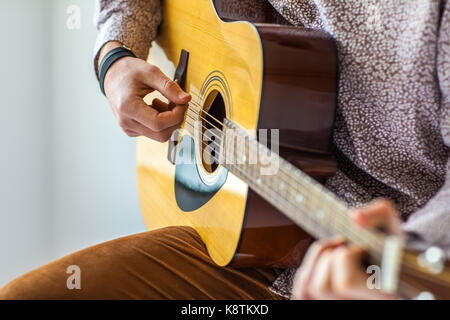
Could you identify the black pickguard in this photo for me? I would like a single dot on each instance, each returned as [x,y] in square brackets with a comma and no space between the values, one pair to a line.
[191,192]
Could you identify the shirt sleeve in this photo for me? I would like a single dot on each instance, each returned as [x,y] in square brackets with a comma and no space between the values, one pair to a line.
[432,222]
[132,22]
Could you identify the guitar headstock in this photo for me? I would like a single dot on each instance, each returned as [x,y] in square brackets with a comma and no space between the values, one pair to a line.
[425,275]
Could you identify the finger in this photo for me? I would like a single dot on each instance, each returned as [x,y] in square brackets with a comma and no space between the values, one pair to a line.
[160,106]
[156,79]
[128,127]
[304,273]
[320,283]
[161,136]
[131,134]
[134,129]
[347,262]
[348,280]
[379,213]
[158,121]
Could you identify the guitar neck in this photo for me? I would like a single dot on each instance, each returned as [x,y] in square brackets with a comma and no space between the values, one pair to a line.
[302,199]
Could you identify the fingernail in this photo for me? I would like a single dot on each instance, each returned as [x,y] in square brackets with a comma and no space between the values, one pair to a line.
[183,95]
[338,239]
[358,212]
[353,213]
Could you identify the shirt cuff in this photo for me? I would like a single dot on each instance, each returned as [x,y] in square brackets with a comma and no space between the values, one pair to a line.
[129,34]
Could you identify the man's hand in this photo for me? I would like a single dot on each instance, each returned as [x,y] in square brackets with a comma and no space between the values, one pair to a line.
[332,270]
[127,82]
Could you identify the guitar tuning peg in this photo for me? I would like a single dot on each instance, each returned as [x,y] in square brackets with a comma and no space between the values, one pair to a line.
[432,259]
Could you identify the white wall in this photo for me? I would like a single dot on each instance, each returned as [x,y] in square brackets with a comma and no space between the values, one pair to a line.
[94,195]
[68,175]
[24,122]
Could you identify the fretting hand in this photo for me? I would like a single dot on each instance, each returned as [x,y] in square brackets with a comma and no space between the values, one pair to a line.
[332,270]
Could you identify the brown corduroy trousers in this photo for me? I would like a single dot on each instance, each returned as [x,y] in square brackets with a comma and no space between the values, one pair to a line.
[170,263]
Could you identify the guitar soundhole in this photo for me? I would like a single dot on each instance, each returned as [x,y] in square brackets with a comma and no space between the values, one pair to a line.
[212,125]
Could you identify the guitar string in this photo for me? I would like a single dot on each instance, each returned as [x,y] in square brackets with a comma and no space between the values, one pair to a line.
[288,176]
[296,181]
[380,242]
[377,251]
[218,146]
[199,113]
[220,130]
[346,227]
[193,103]
[215,142]
[345,230]
[204,112]
[327,225]
[340,226]
[218,138]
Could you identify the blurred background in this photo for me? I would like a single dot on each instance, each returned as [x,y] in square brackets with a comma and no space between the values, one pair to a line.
[67,172]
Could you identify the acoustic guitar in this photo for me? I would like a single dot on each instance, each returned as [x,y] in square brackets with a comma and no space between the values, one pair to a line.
[245,170]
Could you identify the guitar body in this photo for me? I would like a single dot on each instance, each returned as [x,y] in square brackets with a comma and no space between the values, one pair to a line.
[261,76]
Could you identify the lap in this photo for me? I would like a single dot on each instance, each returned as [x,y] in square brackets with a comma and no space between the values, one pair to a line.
[170,263]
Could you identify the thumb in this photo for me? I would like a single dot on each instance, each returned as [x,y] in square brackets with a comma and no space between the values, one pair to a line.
[157,80]
[379,213]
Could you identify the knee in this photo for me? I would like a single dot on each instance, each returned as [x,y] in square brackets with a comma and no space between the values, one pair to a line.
[45,283]
[20,289]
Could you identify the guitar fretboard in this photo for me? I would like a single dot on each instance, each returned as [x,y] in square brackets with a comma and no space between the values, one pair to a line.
[299,197]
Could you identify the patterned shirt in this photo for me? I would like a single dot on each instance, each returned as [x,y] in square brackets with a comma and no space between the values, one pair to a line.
[392,133]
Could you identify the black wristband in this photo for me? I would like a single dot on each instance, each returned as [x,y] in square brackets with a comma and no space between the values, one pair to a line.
[108,60]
